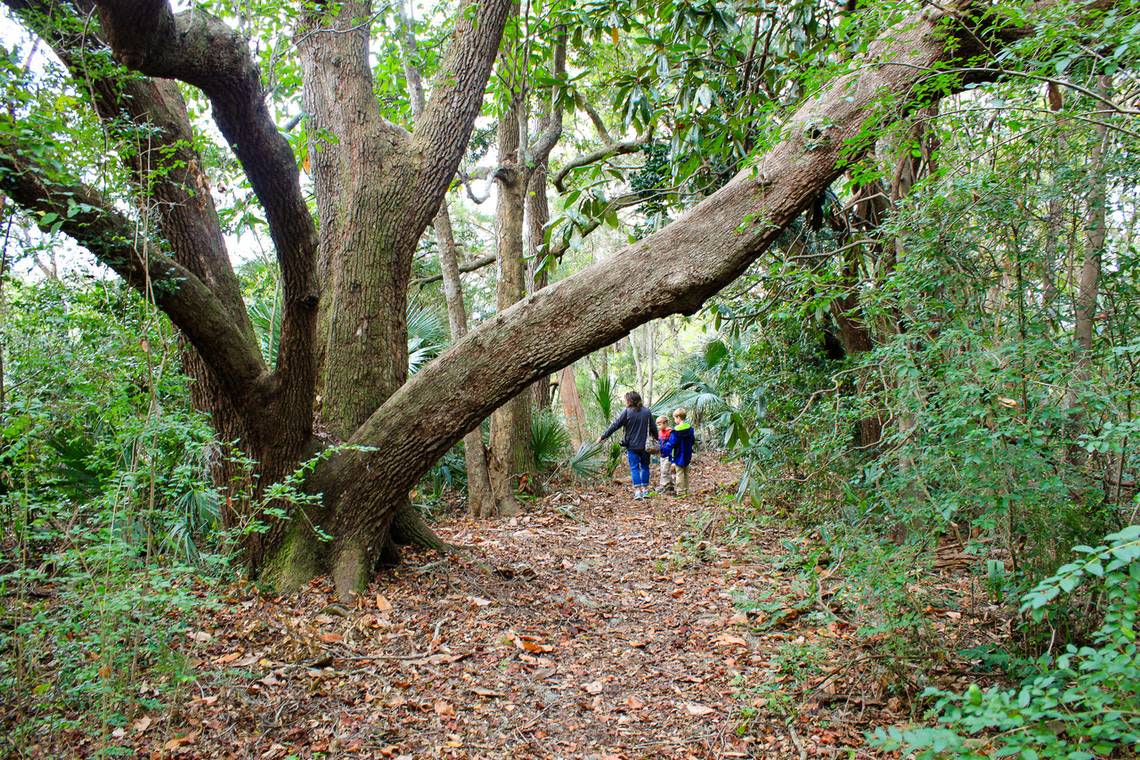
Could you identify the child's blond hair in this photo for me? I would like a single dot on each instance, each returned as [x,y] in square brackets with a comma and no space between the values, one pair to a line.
[662,419]
[680,412]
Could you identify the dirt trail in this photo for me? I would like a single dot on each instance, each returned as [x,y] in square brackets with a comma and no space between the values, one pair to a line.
[589,626]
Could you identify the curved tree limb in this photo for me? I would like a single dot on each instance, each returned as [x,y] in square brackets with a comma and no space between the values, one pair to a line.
[470,265]
[486,174]
[201,50]
[148,119]
[596,118]
[166,163]
[116,241]
[606,151]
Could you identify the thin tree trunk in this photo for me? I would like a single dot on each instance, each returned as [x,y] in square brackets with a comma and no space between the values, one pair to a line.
[1088,284]
[537,217]
[1095,230]
[572,407]
[511,456]
[480,497]
[1054,214]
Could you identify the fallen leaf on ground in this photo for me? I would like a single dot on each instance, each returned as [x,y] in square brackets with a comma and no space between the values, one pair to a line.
[530,644]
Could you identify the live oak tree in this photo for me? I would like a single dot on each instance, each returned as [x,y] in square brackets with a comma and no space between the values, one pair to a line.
[340,372]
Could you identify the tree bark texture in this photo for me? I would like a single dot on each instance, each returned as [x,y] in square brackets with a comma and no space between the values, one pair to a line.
[511,455]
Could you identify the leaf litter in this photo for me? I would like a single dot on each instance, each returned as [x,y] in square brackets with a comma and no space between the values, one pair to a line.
[595,633]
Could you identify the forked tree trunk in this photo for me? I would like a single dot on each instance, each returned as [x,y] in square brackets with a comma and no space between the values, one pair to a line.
[709,246]
[370,198]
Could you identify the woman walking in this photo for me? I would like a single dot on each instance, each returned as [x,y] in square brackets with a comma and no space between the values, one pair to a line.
[637,421]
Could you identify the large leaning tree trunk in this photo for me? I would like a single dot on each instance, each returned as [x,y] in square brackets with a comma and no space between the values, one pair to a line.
[360,201]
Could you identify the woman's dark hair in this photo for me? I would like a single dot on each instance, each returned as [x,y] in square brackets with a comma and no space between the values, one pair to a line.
[633,398]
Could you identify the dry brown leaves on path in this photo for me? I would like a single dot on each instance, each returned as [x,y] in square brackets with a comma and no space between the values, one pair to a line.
[590,626]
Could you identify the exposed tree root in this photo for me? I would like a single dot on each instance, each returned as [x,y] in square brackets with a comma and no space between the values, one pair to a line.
[409,529]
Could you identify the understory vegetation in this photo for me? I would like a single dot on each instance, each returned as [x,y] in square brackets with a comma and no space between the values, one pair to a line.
[971,422]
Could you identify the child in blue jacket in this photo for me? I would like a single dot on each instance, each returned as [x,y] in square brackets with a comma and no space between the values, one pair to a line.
[679,448]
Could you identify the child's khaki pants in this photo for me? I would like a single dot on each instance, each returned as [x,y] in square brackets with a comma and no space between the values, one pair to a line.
[666,469]
[681,478]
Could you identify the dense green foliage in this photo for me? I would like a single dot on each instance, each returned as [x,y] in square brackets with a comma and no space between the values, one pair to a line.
[990,423]
[109,522]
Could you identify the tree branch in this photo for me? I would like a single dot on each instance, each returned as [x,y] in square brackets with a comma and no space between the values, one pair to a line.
[165,163]
[599,125]
[116,241]
[442,135]
[540,152]
[199,49]
[411,70]
[470,265]
[606,151]
[468,181]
